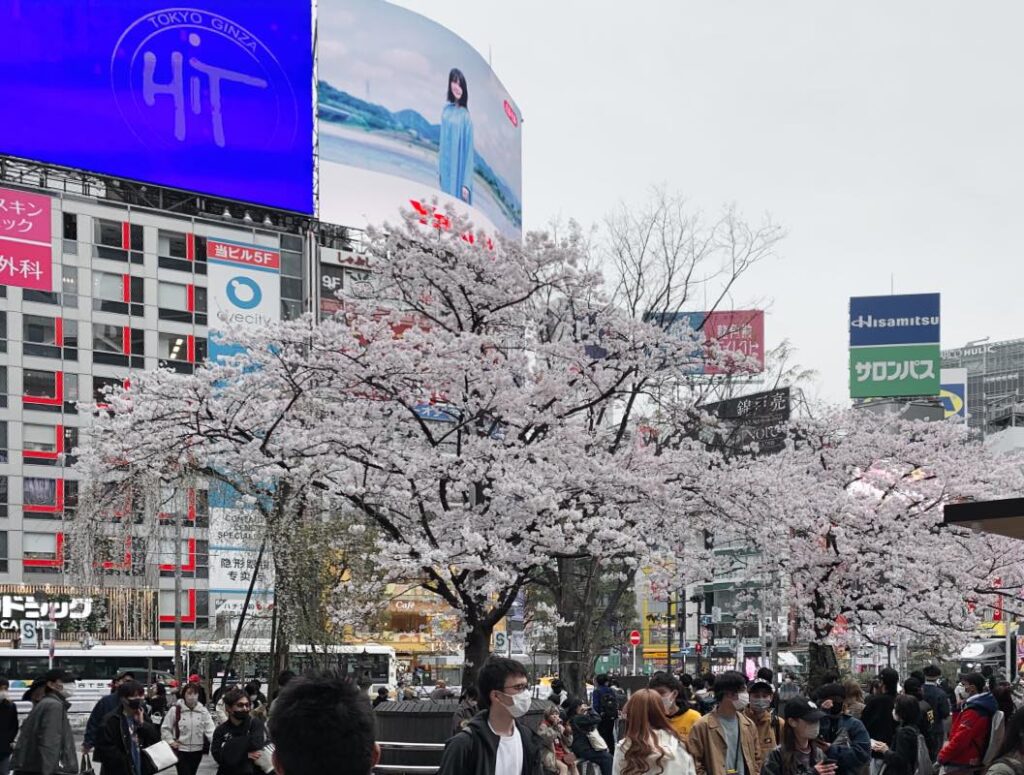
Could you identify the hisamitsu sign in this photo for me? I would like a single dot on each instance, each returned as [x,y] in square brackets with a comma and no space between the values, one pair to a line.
[883,320]
[894,345]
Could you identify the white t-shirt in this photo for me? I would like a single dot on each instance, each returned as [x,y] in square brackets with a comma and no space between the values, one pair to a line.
[510,753]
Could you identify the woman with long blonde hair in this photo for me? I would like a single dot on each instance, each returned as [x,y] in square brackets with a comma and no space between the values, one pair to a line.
[650,745]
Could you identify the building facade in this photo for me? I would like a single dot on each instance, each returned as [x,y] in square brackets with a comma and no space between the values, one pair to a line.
[995,382]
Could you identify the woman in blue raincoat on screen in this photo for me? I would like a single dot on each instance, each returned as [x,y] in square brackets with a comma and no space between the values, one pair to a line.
[455,155]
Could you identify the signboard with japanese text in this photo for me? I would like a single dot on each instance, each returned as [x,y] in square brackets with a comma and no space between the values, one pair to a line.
[953,393]
[759,421]
[411,117]
[214,97]
[26,250]
[904,370]
[733,340]
[235,537]
[894,345]
[244,289]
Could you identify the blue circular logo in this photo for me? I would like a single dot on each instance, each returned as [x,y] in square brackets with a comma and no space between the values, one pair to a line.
[244,292]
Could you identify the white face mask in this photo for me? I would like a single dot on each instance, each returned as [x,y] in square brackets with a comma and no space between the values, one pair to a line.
[761,703]
[3,695]
[520,703]
[191,700]
[68,691]
[813,730]
[742,701]
[668,701]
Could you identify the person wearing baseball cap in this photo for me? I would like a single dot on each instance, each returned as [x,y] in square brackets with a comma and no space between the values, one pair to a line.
[797,753]
[768,726]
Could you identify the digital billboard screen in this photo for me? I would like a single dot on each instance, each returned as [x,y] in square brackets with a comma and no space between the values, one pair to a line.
[215,98]
[410,113]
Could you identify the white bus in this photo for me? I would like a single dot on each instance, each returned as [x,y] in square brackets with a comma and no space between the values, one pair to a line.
[93,668]
[369,665]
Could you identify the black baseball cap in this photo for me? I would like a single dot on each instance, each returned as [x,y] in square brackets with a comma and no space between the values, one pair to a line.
[56,674]
[759,684]
[803,708]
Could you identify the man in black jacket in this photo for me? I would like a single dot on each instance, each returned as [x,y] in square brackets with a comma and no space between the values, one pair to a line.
[103,708]
[238,742]
[877,714]
[123,734]
[8,727]
[494,742]
[939,700]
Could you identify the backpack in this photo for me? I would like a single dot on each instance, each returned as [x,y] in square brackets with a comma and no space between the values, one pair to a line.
[609,705]
[924,759]
[996,733]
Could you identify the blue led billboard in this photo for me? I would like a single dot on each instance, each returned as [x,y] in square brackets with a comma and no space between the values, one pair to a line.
[214,98]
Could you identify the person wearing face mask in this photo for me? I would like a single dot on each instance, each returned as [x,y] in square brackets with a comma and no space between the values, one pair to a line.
[188,728]
[587,743]
[724,741]
[797,753]
[968,741]
[8,727]
[237,742]
[680,715]
[495,741]
[901,758]
[844,739]
[46,744]
[125,732]
[768,724]
[650,746]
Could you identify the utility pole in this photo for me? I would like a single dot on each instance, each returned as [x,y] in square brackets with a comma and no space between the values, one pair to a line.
[670,623]
[178,666]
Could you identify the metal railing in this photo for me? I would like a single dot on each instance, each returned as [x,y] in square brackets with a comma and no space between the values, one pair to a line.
[413,769]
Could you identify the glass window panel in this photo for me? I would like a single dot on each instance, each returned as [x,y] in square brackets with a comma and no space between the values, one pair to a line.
[36,544]
[39,491]
[107,338]
[39,438]
[173,347]
[40,330]
[40,384]
[172,296]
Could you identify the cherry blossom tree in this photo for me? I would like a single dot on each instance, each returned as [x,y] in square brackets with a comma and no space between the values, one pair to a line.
[849,519]
[473,411]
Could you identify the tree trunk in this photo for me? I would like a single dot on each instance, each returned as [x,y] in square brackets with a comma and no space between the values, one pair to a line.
[476,648]
[821,660]
[570,669]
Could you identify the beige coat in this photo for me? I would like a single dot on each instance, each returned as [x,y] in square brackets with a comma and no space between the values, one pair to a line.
[707,746]
[766,738]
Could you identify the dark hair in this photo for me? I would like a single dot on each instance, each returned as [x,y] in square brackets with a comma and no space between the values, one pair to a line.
[323,724]
[662,680]
[470,693]
[686,679]
[232,696]
[602,679]
[492,677]
[130,689]
[908,709]
[890,679]
[252,687]
[977,680]
[190,689]
[4,683]
[456,75]
[1013,737]
[766,674]
[932,671]
[912,686]
[284,677]
[729,681]
[788,747]
[918,674]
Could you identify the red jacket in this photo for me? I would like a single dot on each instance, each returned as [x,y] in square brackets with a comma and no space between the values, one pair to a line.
[968,739]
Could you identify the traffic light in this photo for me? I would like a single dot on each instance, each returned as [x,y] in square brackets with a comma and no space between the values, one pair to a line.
[698,648]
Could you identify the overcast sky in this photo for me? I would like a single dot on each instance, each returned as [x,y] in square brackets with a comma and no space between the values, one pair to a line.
[884,136]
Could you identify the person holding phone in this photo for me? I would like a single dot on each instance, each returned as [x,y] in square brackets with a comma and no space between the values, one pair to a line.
[843,739]
[901,758]
[797,753]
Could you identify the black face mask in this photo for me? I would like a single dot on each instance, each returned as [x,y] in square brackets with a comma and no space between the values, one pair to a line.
[241,715]
[836,709]
[135,703]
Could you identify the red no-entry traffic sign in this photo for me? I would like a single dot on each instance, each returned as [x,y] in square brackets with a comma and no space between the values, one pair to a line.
[634,638]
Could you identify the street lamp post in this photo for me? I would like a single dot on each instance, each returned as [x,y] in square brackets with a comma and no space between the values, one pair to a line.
[698,598]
